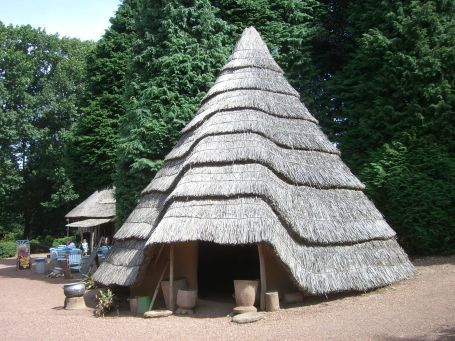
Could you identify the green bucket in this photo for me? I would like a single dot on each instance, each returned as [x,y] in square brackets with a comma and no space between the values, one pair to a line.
[143,304]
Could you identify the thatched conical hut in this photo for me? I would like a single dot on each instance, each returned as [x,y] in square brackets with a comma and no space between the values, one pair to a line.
[254,168]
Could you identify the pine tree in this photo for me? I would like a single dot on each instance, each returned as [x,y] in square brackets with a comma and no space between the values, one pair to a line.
[291,29]
[182,45]
[92,145]
[395,99]
[399,81]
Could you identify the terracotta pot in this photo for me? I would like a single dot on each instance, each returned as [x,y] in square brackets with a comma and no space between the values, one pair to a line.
[178,284]
[186,299]
[74,289]
[245,292]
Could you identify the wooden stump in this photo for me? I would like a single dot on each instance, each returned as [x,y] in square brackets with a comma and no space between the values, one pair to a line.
[75,303]
[272,301]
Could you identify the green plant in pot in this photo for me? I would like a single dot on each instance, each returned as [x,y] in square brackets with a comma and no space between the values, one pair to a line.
[89,282]
[107,301]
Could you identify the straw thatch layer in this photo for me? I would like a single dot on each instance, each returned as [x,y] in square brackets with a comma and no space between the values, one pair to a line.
[87,223]
[257,62]
[328,217]
[251,78]
[140,222]
[272,103]
[286,133]
[122,264]
[110,274]
[315,169]
[101,204]
[317,269]
[126,253]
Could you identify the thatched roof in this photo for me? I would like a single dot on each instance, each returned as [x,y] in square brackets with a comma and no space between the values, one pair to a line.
[253,166]
[87,223]
[101,204]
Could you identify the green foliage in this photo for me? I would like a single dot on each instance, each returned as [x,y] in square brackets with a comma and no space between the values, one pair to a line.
[399,80]
[414,186]
[107,301]
[7,249]
[180,48]
[92,143]
[89,282]
[11,233]
[62,241]
[392,103]
[40,84]
[37,246]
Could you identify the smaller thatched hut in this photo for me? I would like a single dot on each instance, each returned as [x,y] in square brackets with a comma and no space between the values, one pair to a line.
[94,217]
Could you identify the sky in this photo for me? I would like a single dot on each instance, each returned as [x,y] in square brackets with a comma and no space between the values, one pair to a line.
[83,19]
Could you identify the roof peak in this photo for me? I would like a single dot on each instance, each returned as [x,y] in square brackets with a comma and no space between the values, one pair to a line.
[251,40]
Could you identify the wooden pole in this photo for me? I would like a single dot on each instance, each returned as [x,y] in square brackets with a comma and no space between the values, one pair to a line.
[263,274]
[92,241]
[158,286]
[158,255]
[171,278]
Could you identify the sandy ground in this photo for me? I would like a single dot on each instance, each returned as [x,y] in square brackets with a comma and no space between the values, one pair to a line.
[422,308]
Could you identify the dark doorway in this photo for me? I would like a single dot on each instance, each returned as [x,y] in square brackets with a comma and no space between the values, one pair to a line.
[219,265]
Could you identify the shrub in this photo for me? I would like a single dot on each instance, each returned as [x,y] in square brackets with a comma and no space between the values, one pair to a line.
[7,249]
[89,283]
[107,301]
[413,186]
[38,246]
[63,240]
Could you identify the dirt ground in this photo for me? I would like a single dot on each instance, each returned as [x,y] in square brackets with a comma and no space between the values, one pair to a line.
[421,308]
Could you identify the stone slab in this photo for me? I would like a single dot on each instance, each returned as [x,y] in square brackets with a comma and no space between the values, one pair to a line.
[244,309]
[157,313]
[248,317]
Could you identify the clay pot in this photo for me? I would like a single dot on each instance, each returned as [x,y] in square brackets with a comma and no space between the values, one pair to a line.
[74,289]
[245,292]
[186,299]
[179,283]
[90,297]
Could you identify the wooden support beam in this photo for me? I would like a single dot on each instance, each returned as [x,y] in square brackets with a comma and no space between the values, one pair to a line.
[171,278]
[155,293]
[158,255]
[263,275]
[92,241]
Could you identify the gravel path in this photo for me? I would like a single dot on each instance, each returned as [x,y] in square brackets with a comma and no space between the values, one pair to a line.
[422,308]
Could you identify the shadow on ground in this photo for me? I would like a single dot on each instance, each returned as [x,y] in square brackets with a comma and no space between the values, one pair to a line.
[430,261]
[443,334]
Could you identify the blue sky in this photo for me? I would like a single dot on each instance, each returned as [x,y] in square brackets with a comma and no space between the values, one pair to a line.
[83,19]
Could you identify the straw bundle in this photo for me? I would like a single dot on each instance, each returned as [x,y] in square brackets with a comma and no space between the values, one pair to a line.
[253,166]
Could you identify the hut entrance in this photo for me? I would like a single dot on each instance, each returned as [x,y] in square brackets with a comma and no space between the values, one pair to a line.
[219,265]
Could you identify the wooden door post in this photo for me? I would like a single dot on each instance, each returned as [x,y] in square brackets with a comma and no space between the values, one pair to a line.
[263,275]
[171,278]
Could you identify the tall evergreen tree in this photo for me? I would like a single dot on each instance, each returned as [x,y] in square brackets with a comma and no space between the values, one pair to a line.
[92,145]
[182,45]
[395,98]
[291,29]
